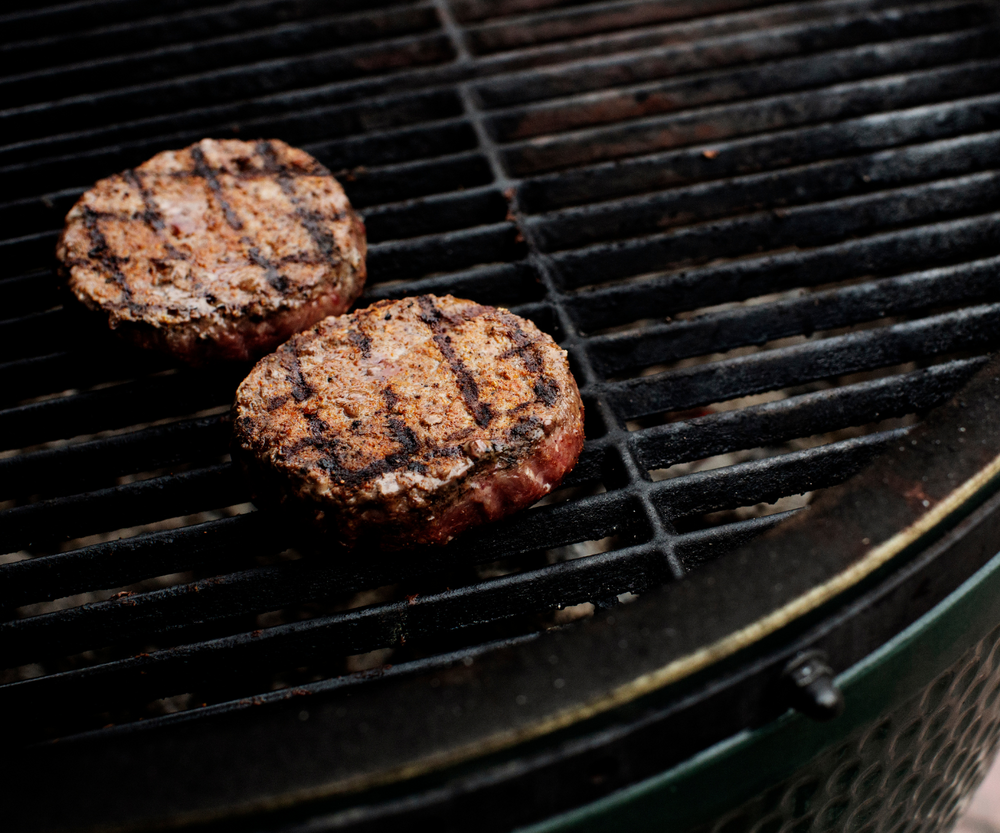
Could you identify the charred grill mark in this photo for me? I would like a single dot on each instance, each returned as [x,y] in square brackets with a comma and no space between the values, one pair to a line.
[361,342]
[301,389]
[101,253]
[202,169]
[322,440]
[276,402]
[313,222]
[431,316]
[278,282]
[523,429]
[300,257]
[403,434]
[151,214]
[546,388]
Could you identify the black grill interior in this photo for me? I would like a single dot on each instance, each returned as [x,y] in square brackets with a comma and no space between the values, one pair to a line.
[766,232]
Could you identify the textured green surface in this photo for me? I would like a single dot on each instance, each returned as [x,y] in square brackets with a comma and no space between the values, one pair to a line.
[895,760]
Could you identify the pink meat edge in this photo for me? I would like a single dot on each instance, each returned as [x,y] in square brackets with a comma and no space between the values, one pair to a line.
[495,494]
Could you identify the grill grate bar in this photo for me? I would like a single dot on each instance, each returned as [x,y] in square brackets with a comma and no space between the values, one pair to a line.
[407,259]
[754,82]
[29,169]
[225,52]
[444,212]
[145,400]
[822,181]
[967,283]
[798,146]
[974,328]
[73,467]
[166,61]
[791,29]
[532,29]
[823,223]
[74,16]
[765,481]
[117,507]
[178,670]
[195,25]
[728,121]
[223,85]
[494,284]
[207,546]
[696,548]
[890,252]
[804,415]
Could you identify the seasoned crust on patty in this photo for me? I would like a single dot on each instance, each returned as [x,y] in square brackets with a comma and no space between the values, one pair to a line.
[410,421]
[220,250]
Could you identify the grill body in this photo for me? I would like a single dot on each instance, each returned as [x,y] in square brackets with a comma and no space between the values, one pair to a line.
[918,735]
[765,232]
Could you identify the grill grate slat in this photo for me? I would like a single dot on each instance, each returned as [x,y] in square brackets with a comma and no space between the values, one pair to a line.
[969,283]
[130,560]
[83,514]
[692,49]
[594,166]
[973,328]
[730,121]
[801,416]
[737,281]
[92,75]
[645,100]
[73,467]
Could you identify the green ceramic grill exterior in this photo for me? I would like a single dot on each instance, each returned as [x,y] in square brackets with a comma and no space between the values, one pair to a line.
[918,733]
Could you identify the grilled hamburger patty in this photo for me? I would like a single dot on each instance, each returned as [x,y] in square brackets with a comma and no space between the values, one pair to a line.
[410,421]
[220,250]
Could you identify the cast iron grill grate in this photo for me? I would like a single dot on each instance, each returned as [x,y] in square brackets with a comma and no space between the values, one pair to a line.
[765,232]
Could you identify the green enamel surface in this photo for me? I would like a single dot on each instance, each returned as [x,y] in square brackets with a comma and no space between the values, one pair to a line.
[744,766]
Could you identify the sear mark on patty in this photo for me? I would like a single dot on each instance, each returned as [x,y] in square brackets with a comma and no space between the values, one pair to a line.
[311,220]
[431,316]
[546,388]
[101,252]
[301,390]
[279,282]
[151,213]
[202,169]
[361,341]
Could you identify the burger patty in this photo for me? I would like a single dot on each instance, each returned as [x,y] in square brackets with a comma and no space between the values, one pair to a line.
[218,251]
[410,421]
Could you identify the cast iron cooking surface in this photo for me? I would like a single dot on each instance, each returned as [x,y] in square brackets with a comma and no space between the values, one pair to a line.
[765,232]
